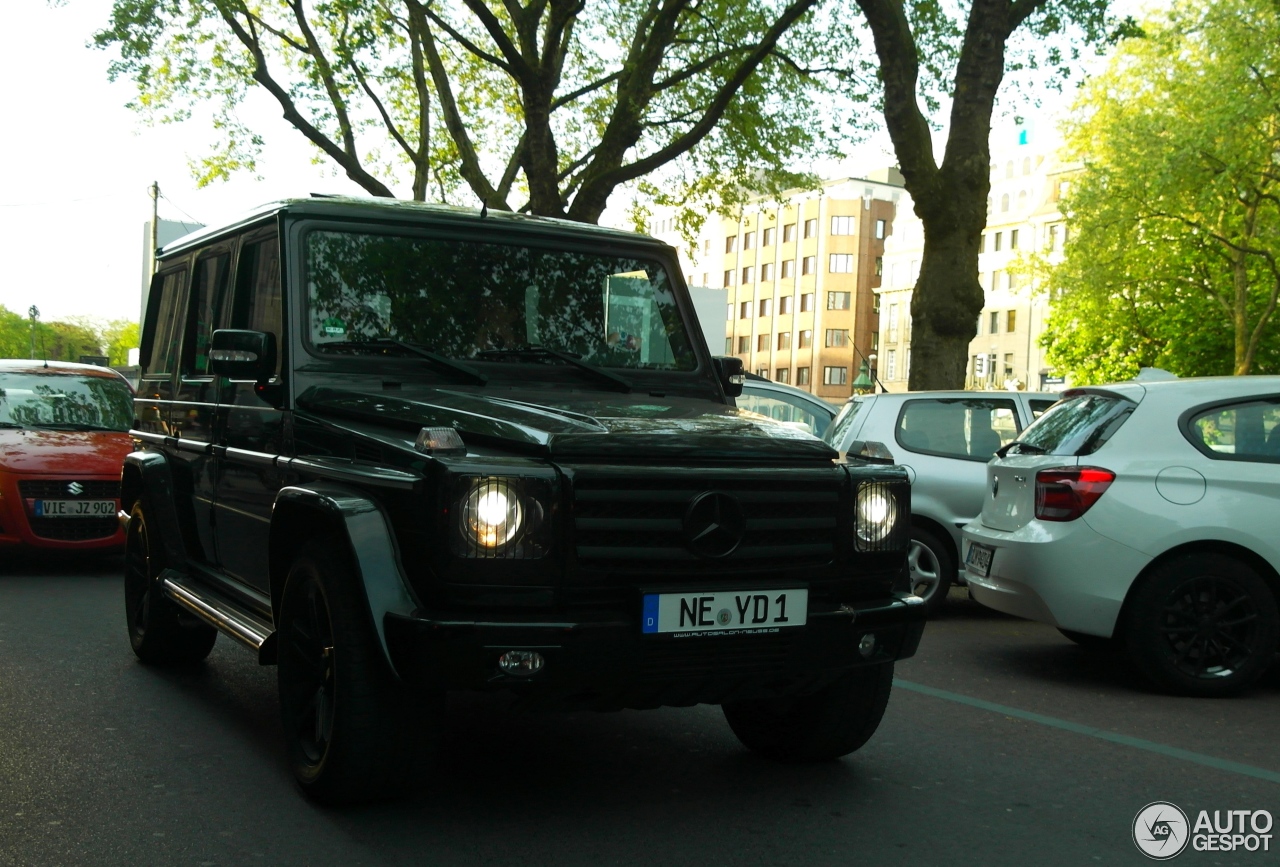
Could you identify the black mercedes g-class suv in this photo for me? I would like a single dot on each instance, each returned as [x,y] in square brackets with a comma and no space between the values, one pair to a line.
[399,449]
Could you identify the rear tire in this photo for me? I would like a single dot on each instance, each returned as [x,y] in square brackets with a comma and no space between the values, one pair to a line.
[160,633]
[930,569]
[1202,625]
[826,725]
[348,721]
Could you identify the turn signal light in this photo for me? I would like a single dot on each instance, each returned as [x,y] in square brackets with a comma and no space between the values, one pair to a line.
[1066,493]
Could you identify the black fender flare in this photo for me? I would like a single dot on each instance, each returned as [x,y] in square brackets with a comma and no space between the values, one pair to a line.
[301,510]
[146,478]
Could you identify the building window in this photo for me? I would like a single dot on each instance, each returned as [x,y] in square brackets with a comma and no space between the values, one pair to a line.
[706,246]
[995,322]
[784,339]
[1026,165]
[748,240]
[1055,238]
[1004,203]
[766,271]
[840,226]
[996,241]
[744,344]
[762,343]
[879,266]
[762,372]
[728,346]
[1013,239]
[1008,365]
[731,243]
[875,341]
[783,374]
[730,313]
[836,337]
[784,305]
[806,302]
[766,306]
[891,364]
[766,238]
[838,300]
[840,263]
[982,243]
[788,233]
[748,275]
[806,339]
[728,278]
[880,227]
[1022,200]
[704,279]
[810,228]
[893,322]
[802,376]
[1011,323]
[1008,169]
[788,268]
[809,265]
[744,310]
[835,376]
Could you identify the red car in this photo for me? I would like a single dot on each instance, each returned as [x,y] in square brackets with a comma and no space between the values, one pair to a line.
[63,438]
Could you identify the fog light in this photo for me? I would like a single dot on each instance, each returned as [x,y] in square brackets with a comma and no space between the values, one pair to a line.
[867,645]
[521,663]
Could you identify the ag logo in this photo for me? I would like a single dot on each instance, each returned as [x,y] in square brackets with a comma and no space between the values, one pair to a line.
[1160,830]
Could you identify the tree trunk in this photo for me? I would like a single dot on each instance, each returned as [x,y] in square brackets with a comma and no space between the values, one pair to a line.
[945,307]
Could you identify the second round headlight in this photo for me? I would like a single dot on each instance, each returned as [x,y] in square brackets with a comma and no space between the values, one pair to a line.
[492,514]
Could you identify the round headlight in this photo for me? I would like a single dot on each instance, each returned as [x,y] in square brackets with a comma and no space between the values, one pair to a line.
[877,513]
[491,514]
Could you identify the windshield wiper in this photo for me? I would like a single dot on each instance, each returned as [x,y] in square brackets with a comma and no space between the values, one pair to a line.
[12,424]
[1023,448]
[438,361]
[534,350]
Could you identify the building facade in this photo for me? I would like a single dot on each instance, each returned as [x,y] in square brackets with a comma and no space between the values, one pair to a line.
[1023,223]
[800,276]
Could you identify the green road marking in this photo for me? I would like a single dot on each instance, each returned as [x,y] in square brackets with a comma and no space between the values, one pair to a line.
[1090,731]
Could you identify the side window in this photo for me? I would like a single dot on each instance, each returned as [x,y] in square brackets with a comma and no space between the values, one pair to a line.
[1039,406]
[791,414]
[258,296]
[159,351]
[967,428]
[1245,431]
[208,286]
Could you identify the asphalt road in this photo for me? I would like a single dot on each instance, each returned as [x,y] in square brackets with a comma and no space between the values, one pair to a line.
[1003,744]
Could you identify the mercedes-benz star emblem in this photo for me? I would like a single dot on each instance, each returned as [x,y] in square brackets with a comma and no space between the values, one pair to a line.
[714,524]
[75,488]
[995,487]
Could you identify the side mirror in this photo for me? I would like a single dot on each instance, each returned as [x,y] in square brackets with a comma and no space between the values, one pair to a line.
[731,373]
[243,355]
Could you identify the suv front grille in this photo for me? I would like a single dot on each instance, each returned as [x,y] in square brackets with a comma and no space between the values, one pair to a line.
[636,522]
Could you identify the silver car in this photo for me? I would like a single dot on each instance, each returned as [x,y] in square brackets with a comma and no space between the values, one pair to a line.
[944,439]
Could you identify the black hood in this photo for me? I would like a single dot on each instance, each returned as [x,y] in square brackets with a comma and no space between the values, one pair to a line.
[580,425]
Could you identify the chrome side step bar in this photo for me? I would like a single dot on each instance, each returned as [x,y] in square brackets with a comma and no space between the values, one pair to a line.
[225,615]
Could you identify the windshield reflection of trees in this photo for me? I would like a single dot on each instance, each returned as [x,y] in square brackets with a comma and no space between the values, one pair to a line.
[463,298]
[62,400]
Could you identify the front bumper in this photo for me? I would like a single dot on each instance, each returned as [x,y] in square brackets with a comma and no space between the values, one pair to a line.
[1065,574]
[20,529]
[603,662]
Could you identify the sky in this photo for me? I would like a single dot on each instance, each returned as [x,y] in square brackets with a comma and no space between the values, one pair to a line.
[76,166]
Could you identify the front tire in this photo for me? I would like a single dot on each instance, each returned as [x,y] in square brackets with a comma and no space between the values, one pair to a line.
[347,719]
[930,569]
[1202,625]
[159,632]
[826,725]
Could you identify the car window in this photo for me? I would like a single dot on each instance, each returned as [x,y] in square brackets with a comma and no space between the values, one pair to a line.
[159,352]
[1243,431]
[1077,425]
[778,408]
[846,422]
[969,428]
[208,286]
[1038,407]
[65,401]
[257,303]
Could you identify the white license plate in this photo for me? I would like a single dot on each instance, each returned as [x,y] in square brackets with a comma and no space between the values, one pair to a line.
[74,508]
[978,560]
[732,612]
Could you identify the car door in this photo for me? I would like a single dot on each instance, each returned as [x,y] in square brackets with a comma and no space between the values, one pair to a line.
[193,416]
[251,421]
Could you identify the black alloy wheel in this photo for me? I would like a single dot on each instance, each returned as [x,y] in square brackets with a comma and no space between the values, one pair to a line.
[1204,624]
[310,646]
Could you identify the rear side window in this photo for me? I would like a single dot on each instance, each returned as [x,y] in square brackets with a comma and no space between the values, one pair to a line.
[845,423]
[1078,425]
[968,428]
[1241,431]
[159,349]
[207,290]
[1038,407]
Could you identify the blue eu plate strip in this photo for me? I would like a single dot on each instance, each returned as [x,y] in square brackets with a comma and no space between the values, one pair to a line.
[649,614]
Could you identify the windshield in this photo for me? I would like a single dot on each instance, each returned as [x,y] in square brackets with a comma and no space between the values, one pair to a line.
[1078,425]
[468,300]
[60,400]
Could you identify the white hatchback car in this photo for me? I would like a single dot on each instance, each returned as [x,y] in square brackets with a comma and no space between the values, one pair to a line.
[1144,515]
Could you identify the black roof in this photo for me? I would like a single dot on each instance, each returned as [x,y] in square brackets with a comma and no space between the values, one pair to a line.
[403,211]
